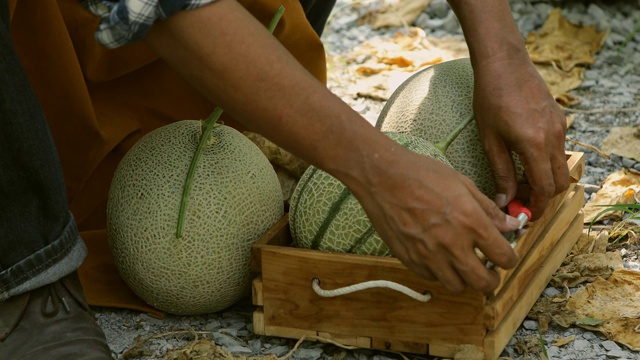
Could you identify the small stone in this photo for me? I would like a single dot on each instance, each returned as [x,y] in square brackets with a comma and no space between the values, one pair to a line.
[239,350]
[581,344]
[587,335]
[439,8]
[307,354]
[618,354]
[279,350]
[628,163]
[553,352]
[610,345]
[530,325]
[255,345]
[596,12]
[551,292]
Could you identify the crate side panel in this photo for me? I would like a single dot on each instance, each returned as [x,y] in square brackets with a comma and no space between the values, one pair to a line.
[290,301]
[497,339]
[529,267]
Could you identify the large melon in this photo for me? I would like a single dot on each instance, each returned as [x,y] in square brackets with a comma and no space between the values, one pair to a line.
[431,104]
[236,197]
[325,215]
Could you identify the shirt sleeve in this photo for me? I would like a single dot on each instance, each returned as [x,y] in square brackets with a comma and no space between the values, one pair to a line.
[127,21]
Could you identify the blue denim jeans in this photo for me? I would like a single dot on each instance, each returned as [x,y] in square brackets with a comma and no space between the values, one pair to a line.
[39,240]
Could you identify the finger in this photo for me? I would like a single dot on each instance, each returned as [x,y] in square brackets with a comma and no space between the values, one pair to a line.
[488,224]
[425,264]
[501,220]
[504,172]
[476,274]
[561,174]
[541,181]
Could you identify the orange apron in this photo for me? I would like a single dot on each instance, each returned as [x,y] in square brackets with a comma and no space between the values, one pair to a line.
[99,102]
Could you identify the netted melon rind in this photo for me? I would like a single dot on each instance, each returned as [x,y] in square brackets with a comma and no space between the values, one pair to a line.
[317,192]
[236,197]
[430,104]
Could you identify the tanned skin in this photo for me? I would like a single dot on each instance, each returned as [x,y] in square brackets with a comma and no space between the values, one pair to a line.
[431,216]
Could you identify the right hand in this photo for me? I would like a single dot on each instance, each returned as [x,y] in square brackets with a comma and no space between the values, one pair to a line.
[432,217]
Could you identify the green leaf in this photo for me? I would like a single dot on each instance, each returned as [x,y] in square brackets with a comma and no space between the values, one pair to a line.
[589,321]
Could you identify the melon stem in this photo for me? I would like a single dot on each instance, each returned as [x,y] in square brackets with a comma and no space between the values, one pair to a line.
[444,144]
[207,128]
[276,18]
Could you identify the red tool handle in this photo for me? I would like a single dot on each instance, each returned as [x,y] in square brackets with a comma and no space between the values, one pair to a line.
[516,208]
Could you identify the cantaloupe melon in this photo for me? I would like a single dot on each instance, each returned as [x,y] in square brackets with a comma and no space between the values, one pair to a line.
[325,215]
[433,102]
[235,198]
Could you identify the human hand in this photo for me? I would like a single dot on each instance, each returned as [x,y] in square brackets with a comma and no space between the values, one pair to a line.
[514,111]
[432,218]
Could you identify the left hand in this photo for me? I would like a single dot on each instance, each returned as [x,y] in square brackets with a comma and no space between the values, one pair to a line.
[515,112]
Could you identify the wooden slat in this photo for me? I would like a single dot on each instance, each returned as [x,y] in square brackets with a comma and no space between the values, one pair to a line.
[526,241]
[497,339]
[576,162]
[395,345]
[278,235]
[258,321]
[529,267]
[256,291]
[289,300]
[349,340]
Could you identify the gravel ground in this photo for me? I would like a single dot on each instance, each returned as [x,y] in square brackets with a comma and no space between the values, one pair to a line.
[613,82]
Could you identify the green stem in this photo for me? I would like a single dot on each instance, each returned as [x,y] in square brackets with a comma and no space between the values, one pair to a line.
[276,19]
[444,144]
[208,127]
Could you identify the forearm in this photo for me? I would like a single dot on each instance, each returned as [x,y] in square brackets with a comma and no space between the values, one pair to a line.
[489,29]
[240,66]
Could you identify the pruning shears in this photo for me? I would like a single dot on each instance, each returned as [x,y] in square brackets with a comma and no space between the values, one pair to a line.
[516,209]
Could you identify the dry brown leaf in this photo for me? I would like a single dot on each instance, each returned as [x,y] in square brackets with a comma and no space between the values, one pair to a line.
[617,302]
[548,309]
[619,187]
[379,66]
[564,44]
[563,341]
[392,13]
[587,268]
[560,51]
[561,82]
[623,141]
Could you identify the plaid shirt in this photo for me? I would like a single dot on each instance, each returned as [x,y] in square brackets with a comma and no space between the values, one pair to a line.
[127,21]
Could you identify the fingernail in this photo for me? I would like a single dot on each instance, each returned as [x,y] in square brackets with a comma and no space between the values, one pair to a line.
[501,200]
[512,222]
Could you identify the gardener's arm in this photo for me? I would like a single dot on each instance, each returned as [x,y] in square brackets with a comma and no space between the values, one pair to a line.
[431,216]
[513,107]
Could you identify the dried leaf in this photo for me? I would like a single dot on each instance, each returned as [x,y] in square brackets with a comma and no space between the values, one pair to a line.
[611,300]
[623,141]
[379,66]
[560,51]
[587,268]
[563,341]
[395,13]
[619,187]
[566,45]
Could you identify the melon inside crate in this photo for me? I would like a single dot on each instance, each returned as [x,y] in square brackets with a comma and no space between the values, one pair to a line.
[379,318]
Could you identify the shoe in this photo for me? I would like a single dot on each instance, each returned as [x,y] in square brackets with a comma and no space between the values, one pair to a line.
[53,322]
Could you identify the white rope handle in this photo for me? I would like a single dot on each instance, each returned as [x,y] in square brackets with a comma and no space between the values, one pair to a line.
[315,284]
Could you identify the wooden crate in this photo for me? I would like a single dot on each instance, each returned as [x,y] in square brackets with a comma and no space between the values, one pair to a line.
[384,319]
